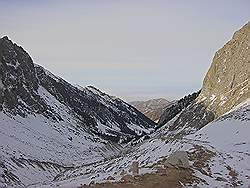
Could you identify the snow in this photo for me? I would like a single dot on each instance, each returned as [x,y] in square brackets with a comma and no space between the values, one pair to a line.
[227,137]
[40,139]
[37,141]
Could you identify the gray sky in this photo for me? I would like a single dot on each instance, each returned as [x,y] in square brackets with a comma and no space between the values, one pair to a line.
[135,49]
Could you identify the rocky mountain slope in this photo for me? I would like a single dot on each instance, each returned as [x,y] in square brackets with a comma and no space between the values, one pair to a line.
[48,125]
[224,87]
[153,108]
[206,144]
[226,83]
[172,110]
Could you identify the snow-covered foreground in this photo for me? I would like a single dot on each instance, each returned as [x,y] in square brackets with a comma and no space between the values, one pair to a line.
[35,148]
[219,154]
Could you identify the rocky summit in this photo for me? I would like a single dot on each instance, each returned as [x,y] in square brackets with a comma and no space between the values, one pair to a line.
[23,86]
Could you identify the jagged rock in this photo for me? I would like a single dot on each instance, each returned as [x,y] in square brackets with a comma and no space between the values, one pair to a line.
[46,119]
[211,148]
[110,178]
[177,159]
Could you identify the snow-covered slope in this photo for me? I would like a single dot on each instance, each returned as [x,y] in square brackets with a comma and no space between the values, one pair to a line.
[48,125]
[218,154]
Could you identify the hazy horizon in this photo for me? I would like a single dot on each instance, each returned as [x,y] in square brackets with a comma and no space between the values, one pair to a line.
[136,50]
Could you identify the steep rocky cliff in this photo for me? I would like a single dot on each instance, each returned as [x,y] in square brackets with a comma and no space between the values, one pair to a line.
[21,82]
[225,86]
[226,83]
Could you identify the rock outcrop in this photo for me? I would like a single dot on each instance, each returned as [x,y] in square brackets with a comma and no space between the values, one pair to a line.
[48,125]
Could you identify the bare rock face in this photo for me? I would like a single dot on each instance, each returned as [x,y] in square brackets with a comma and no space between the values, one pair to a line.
[224,87]
[226,83]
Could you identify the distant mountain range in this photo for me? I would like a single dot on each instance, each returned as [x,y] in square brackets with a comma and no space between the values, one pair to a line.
[153,108]
[54,134]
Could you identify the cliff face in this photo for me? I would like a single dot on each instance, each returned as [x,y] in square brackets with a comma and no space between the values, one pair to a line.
[225,86]
[226,83]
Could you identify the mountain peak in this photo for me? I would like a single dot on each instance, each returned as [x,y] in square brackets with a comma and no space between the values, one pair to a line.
[4,38]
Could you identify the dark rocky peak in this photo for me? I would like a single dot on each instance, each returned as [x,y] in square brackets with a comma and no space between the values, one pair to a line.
[4,38]
[17,77]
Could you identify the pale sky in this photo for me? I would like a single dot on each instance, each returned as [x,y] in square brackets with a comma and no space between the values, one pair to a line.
[134,49]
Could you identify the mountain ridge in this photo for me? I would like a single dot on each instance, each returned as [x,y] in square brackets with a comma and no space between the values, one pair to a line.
[50,125]
[152,108]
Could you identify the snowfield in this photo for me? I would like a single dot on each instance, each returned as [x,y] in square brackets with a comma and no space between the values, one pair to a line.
[225,141]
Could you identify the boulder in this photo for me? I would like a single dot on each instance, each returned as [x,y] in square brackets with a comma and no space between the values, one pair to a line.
[177,159]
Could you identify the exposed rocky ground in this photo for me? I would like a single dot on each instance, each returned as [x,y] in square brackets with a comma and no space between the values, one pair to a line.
[153,108]
[213,160]
[226,83]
